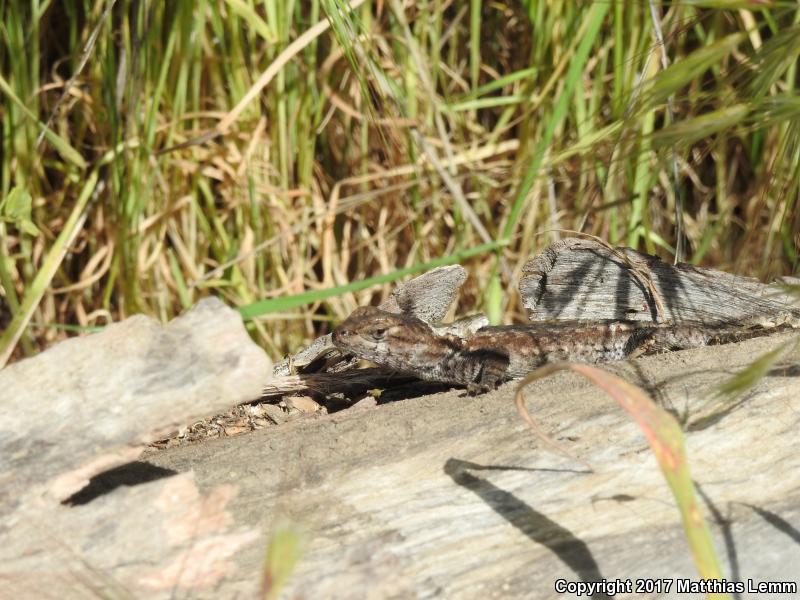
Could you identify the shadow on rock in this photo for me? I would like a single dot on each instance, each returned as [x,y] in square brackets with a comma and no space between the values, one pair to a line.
[572,551]
[134,473]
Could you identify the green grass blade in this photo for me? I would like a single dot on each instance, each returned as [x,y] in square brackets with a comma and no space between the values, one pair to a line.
[595,17]
[682,72]
[500,83]
[287,302]
[480,103]
[67,327]
[253,19]
[184,295]
[46,272]
[284,550]
[475,42]
[60,144]
[686,132]
[732,4]
[755,371]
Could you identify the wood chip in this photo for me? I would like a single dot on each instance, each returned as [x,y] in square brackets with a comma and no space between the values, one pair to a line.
[275,413]
[236,430]
[304,404]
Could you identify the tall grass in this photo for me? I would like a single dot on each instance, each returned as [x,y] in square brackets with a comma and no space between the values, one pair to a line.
[259,150]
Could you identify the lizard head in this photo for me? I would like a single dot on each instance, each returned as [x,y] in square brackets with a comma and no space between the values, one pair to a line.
[380,336]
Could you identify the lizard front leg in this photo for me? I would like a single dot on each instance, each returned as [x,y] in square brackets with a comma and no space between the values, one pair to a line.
[480,370]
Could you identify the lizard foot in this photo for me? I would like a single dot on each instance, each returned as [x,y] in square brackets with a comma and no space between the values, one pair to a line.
[476,389]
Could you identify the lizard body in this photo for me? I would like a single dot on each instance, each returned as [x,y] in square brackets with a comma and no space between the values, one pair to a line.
[498,353]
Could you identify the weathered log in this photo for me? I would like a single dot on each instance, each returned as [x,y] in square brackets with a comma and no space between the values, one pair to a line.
[452,496]
[352,382]
[582,279]
[445,495]
[428,296]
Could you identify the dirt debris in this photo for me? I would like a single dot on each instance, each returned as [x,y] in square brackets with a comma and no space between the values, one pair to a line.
[243,419]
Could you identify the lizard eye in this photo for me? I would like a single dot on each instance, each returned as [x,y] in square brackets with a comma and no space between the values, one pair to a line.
[378,334]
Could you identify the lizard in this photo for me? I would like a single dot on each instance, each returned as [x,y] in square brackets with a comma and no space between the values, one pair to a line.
[494,354]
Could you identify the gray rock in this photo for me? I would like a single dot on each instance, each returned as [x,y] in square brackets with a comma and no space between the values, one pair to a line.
[89,404]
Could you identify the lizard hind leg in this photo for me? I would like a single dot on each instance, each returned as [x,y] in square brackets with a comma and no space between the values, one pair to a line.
[642,341]
[491,369]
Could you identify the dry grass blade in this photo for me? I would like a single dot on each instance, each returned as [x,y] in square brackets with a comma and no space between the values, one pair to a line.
[310,103]
[666,441]
[87,53]
[263,81]
[519,401]
[451,184]
[291,50]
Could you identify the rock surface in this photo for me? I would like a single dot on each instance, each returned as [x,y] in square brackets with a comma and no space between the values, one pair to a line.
[92,403]
[451,496]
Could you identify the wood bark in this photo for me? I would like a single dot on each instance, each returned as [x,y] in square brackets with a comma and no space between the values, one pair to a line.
[582,279]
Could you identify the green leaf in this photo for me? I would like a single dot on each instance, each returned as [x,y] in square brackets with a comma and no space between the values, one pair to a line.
[781,108]
[16,209]
[68,327]
[500,82]
[35,291]
[61,145]
[494,299]
[682,72]
[480,103]
[773,59]
[252,18]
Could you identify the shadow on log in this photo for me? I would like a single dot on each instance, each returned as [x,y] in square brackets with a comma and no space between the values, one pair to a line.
[582,279]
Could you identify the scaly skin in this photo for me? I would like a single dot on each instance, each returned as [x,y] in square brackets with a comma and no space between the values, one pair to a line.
[494,354]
